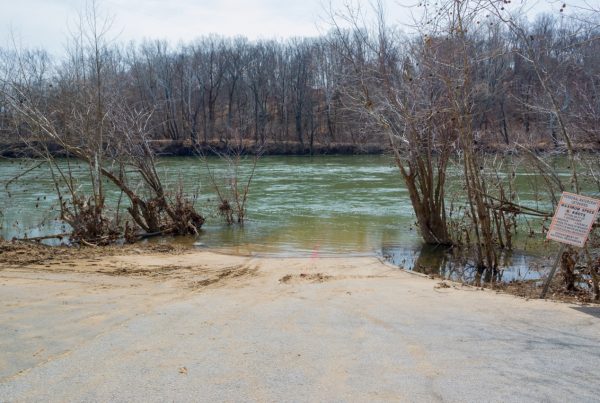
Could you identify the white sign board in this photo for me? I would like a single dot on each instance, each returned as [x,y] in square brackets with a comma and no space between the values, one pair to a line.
[573,219]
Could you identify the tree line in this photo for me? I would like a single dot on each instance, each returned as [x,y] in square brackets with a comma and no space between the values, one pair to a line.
[298,92]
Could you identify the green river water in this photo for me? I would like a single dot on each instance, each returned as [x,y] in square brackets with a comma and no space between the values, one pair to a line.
[297,206]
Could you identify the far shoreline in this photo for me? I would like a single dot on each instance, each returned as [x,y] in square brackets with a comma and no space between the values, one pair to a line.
[185,148]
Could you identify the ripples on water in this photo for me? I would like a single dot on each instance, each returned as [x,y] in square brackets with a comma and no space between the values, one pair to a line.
[297,206]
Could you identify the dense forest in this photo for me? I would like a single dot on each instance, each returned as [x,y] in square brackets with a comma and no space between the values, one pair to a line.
[297,95]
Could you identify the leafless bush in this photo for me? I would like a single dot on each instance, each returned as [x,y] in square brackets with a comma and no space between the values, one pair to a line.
[232,185]
[134,171]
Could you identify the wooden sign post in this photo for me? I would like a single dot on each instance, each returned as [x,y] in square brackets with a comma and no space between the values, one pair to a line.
[571,225]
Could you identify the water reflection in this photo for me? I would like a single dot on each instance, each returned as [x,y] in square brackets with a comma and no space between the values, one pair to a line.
[454,263]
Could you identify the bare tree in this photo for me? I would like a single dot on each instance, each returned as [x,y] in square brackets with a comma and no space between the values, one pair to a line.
[93,124]
[393,89]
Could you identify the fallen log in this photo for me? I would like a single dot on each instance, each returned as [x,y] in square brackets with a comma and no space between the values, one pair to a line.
[41,238]
[147,235]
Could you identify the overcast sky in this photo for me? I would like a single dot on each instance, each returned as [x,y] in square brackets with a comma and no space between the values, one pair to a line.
[44,23]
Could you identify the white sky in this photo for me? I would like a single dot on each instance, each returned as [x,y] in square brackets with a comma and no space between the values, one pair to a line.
[44,23]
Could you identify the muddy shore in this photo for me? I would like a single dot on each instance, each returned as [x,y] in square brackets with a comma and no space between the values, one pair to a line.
[37,257]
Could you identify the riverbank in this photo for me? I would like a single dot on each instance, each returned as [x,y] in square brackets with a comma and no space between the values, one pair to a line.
[162,323]
[185,148]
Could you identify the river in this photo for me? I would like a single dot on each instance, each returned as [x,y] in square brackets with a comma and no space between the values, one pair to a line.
[310,206]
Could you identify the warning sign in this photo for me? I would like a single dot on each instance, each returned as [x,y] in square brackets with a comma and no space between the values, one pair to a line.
[573,219]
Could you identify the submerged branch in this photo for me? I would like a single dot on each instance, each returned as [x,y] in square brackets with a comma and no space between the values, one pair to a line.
[42,238]
[515,208]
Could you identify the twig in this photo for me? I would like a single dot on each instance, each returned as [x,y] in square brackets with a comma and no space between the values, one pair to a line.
[17,177]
